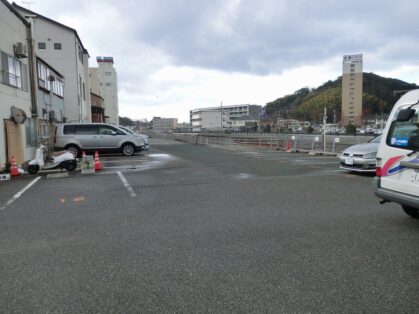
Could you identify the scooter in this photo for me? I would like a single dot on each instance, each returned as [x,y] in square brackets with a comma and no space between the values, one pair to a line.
[61,159]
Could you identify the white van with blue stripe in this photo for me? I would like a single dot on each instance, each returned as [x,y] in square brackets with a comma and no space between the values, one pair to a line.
[397,172]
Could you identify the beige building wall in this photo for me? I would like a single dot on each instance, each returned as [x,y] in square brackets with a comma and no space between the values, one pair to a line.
[352,80]
[94,82]
[13,135]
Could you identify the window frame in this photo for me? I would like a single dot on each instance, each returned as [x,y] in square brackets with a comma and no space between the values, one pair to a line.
[13,72]
[396,142]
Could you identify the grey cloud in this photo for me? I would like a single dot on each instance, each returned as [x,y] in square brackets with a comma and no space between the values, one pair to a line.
[261,36]
[269,36]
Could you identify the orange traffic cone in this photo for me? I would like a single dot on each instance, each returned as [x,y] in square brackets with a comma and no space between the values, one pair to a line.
[14,172]
[98,165]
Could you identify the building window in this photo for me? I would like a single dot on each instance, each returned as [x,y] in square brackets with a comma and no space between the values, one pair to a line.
[42,46]
[13,72]
[80,87]
[80,53]
[58,88]
[57,46]
[31,132]
[108,73]
[108,84]
[43,74]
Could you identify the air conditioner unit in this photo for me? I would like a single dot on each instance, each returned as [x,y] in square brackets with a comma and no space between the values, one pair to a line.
[21,50]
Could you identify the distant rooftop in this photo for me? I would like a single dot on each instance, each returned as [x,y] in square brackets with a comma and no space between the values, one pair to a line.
[104,59]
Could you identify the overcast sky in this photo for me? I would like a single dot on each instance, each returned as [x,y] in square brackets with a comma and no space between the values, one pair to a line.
[175,55]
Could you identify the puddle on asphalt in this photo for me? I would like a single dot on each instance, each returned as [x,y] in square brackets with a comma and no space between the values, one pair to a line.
[161,156]
[243,176]
[152,161]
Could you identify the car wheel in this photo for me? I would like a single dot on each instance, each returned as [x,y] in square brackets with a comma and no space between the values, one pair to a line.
[33,169]
[411,211]
[128,149]
[73,149]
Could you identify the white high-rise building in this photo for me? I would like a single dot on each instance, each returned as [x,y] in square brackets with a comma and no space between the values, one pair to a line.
[108,87]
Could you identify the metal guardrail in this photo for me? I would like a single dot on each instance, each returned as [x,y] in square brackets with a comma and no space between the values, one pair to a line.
[298,142]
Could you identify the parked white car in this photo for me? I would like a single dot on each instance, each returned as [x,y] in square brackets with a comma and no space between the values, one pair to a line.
[361,157]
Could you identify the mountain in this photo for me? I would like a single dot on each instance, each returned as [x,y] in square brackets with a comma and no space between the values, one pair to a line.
[308,104]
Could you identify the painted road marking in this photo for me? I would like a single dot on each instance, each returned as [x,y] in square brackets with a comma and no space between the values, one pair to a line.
[79,199]
[126,184]
[19,194]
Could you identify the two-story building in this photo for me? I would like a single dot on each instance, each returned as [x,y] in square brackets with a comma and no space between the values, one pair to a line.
[50,101]
[17,96]
[61,47]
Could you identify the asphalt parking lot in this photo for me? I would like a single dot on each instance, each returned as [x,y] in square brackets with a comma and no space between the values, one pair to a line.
[191,228]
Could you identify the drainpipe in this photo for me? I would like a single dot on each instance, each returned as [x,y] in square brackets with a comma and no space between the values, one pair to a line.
[32,69]
[78,83]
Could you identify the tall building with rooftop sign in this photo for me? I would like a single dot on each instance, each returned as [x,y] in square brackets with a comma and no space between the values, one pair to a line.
[107,76]
[352,90]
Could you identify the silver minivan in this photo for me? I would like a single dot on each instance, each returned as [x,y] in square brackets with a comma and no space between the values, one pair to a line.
[78,137]
[145,137]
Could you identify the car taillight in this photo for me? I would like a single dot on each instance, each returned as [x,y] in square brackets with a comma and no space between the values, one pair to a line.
[378,168]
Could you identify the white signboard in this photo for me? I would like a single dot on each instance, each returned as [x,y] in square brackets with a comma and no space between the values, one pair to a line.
[317,138]
[293,137]
[87,165]
[337,140]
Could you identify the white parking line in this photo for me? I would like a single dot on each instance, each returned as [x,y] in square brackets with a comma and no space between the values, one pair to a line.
[19,194]
[126,184]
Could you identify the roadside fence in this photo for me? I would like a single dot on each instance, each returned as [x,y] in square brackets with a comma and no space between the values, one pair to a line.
[295,142]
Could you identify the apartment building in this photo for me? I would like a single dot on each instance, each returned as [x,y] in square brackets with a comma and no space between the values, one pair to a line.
[17,98]
[164,125]
[209,120]
[61,47]
[212,119]
[106,80]
[352,78]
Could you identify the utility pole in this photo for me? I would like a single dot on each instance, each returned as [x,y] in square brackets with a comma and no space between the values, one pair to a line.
[222,117]
[334,117]
[28,3]
[324,128]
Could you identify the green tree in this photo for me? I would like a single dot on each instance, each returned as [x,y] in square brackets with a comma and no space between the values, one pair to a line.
[350,129]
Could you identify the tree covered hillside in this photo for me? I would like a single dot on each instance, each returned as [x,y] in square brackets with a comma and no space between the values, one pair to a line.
[308,104]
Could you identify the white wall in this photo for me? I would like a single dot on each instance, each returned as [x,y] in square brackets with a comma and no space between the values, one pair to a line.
[211,119]
[109,92]
[12,30]
[65,61]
